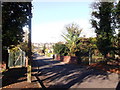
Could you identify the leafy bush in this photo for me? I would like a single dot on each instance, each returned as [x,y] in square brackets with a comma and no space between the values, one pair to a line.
[60,49]
[72,37]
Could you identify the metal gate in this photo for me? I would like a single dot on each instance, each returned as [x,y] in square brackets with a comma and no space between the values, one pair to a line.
[16,58]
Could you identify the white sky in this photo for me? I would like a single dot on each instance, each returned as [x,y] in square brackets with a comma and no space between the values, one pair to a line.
[51,32]
[49,20]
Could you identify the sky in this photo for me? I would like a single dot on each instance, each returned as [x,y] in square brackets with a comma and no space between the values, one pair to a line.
[50,18]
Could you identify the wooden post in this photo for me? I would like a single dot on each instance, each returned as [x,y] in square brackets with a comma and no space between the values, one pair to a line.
[29,77]
[90,56]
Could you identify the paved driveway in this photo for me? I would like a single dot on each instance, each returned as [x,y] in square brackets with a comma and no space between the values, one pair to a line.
[55,74]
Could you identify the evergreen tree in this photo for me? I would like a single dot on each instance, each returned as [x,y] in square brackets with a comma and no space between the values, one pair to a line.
[117,24]
[15,16]
[102,22]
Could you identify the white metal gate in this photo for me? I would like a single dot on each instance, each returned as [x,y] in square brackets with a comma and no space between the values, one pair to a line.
[16,58]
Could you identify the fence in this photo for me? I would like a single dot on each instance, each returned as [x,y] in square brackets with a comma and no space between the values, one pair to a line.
[92,56]
[16,58]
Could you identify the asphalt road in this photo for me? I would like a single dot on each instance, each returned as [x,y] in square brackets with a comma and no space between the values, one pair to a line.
[56,74]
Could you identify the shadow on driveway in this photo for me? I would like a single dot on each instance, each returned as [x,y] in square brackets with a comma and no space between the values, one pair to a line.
[14,75]
[56,75]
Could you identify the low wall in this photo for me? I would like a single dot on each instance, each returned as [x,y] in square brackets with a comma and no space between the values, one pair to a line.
[67,59]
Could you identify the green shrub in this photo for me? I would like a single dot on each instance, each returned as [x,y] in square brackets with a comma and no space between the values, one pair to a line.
[60,49]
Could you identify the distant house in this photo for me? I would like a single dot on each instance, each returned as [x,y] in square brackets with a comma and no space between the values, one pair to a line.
[41,45]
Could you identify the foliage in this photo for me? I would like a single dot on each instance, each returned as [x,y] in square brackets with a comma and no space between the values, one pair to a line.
[60,49]
[117,23]
[15,16]
[102,22]
[49,54]
[87,43]
[72,37]
[14,48]
[117,15]
[24,46]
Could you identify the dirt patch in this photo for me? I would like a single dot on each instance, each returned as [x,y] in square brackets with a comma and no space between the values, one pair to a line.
[107,67]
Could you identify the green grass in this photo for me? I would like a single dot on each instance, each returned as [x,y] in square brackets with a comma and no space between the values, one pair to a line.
[49,54]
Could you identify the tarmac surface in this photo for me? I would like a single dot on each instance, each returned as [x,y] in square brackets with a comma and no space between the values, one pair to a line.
[49,73]
[55,74]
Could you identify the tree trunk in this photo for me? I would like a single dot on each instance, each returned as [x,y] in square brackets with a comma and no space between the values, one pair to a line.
[29,78]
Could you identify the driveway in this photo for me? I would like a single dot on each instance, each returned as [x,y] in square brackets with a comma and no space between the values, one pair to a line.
[56,74]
